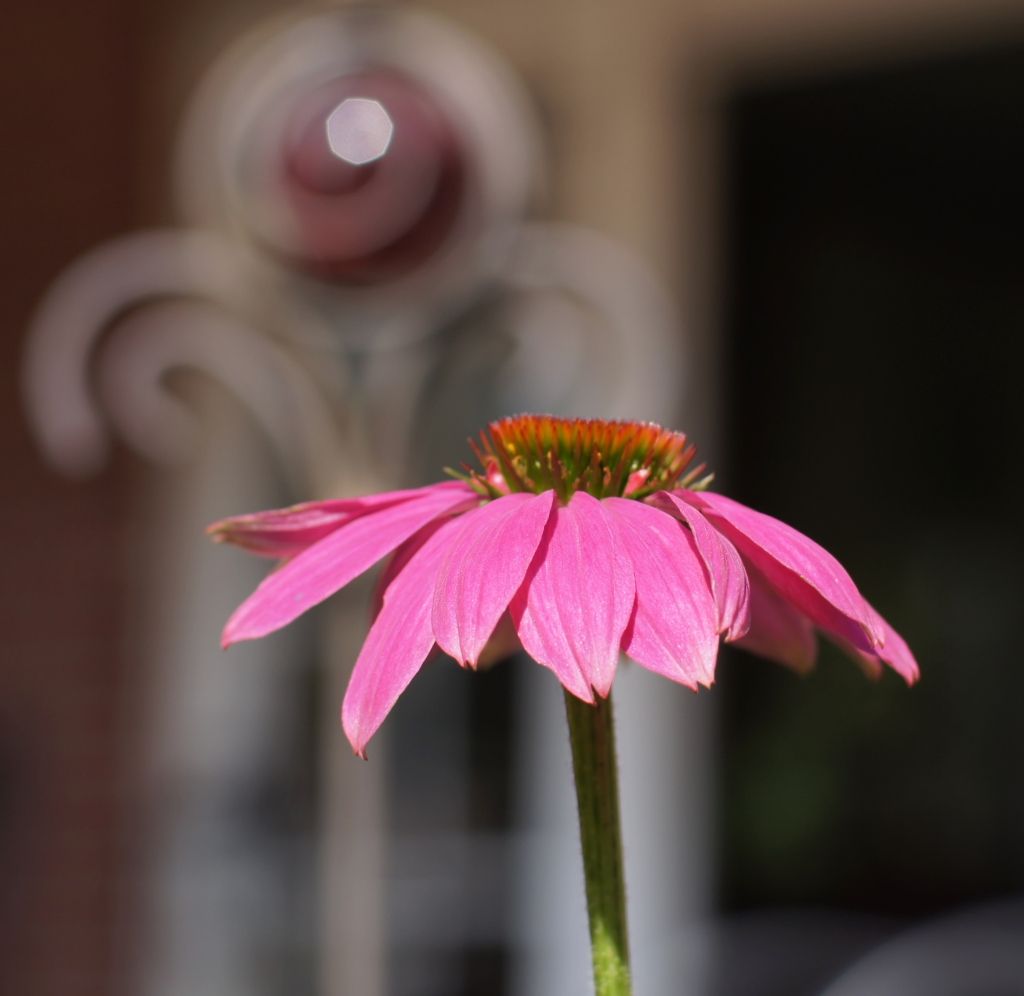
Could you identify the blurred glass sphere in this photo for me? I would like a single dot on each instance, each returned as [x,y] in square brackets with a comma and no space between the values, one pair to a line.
[373,175]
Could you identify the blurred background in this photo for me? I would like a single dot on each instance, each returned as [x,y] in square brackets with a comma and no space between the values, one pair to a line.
[256,253]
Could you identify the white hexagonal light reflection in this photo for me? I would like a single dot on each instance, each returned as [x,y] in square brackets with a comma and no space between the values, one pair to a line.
[359,130]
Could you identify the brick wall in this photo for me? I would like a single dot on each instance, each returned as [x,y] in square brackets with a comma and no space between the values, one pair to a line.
[66,182]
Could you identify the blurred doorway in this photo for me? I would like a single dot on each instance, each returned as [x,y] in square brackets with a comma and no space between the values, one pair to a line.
[874,309]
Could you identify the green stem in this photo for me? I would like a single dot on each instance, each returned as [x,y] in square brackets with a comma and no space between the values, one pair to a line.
[592,736]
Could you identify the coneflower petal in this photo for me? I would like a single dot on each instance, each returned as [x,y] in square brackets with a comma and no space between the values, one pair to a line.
[674,629]
[800,570]
[893,652]
[400,638]
[778,631]
[285,532]
[328,565]
[483,570]
[726,573]
[577,598]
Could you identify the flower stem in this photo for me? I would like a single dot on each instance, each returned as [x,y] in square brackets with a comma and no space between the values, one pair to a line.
[592,736]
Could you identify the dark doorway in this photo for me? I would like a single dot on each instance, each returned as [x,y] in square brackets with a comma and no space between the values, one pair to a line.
[874,305]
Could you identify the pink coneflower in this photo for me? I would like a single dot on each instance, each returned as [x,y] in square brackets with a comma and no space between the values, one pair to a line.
[592,538]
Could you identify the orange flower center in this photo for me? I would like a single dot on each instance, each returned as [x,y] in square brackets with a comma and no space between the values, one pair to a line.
[538,453]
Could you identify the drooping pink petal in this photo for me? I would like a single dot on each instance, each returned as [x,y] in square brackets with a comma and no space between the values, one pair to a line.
[800,570]
[577,598]
[778,631]
[894,652]
[400,638]
[284,532]
[394,566]
[484,569]
[674,629]
[726,573]
[897,654]
[328,565]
